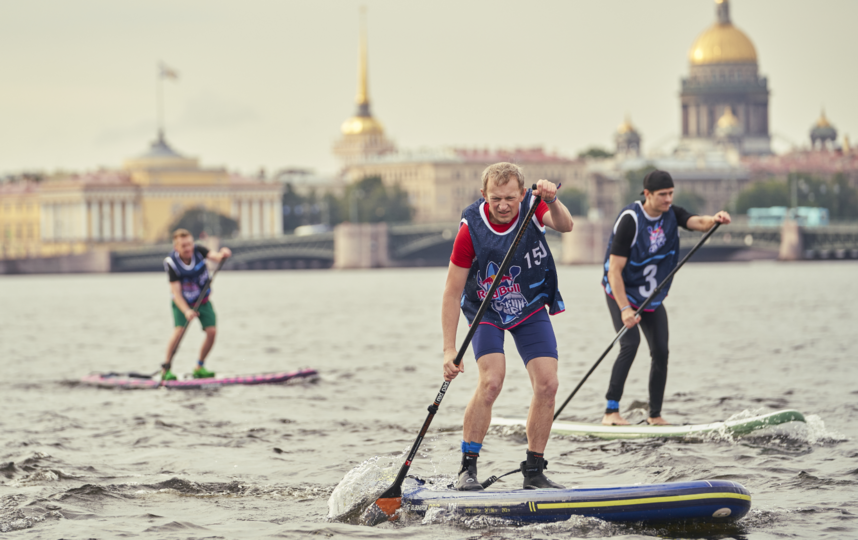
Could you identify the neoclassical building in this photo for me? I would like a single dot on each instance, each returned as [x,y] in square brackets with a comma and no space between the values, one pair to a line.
[110,209]
[724,76]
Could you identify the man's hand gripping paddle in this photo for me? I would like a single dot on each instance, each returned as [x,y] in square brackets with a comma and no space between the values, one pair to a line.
[640,310]
[196,308]
[385,507]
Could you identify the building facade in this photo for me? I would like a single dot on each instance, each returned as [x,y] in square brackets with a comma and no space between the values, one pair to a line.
[724,75]
[139,203]
[441,183]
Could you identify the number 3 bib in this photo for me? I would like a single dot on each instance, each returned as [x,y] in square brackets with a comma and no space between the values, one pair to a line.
[654,254]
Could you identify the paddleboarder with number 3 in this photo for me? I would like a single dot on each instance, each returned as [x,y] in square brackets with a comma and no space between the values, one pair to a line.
[188,274]
[642,252]
[485,234]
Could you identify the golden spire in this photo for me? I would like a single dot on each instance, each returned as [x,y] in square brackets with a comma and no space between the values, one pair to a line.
[362,97]
[823,121]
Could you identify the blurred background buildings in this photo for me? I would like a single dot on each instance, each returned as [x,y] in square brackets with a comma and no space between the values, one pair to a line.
[723,159]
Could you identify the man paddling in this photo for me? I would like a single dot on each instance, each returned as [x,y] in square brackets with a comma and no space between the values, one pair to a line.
[486,232]
[642,251]
[187,271]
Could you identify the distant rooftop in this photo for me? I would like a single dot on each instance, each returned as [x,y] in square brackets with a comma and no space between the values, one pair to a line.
[472,155]
[160,149]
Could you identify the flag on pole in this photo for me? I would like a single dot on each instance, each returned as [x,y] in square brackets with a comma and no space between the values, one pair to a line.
[168,72]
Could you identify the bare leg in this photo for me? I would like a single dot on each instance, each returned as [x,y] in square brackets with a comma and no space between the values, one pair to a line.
[174,338]
[543,378]
[211,331]
[478,415]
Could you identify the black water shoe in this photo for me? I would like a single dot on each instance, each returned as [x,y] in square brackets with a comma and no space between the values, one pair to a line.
[468,475]
[532,469]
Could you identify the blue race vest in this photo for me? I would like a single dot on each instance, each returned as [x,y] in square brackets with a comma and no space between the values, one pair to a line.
[655,253]
[192,276]
[531,281]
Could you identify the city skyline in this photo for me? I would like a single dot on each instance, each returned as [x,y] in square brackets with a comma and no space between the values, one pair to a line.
[253,93]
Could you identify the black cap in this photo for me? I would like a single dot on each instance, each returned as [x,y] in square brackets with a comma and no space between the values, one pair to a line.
[657,180]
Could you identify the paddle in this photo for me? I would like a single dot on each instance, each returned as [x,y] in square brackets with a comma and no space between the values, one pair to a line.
[385,506]
[196,308]
[646,302]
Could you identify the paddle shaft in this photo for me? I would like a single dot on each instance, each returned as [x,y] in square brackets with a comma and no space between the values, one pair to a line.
[395,490]
[196,308]
[640,310]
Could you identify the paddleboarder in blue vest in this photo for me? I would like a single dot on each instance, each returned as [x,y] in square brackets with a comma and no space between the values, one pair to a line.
[520,306]
[642,251]
[187,272]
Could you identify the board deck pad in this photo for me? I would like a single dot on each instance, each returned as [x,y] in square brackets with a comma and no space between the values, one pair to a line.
[706,500]
[134,380]
[741,426]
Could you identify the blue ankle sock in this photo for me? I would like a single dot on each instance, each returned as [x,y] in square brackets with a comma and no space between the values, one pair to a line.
[471,448]
[199,363]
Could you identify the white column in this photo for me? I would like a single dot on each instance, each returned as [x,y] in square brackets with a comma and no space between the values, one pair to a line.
[266,218]
[254,218]
[95,219]
[83,223]
[236,211]
[47,221]
[245,219]
[106,229]
[129,220]
[277,209]
[117,221]
[60,232]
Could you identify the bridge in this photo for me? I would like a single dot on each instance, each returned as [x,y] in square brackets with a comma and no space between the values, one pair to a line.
[431,244]
[838,241]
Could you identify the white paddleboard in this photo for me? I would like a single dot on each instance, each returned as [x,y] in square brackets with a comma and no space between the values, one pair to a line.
[741,426]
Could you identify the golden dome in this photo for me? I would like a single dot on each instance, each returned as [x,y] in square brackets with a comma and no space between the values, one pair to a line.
[362,125]
[626,127]
[728,119]
[722,44]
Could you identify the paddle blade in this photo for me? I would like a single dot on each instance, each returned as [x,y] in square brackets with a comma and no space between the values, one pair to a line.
[384,508]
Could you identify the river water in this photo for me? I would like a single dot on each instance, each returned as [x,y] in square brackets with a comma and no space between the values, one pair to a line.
[262,462]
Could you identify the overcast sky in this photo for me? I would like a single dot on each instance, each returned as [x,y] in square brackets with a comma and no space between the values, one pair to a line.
[268,83]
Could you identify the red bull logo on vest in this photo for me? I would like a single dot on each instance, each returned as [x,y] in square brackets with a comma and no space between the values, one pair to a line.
[507,301]
[656,236]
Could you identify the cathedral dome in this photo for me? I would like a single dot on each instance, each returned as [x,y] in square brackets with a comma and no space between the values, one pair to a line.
[822,131]
[362,125]
[728,125]
[722,43]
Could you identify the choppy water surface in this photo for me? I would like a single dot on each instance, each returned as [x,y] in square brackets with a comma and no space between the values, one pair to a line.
[260,462]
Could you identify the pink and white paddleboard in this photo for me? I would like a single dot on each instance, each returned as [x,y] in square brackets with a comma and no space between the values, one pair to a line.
[133,380]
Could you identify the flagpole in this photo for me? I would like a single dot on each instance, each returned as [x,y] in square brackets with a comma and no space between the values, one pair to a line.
[160,101]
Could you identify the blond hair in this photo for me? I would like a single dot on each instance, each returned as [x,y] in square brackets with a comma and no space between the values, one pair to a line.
[501,173]
[181,233]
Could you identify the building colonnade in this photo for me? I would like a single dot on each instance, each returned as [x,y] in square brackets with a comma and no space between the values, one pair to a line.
[102,220]
[258,218]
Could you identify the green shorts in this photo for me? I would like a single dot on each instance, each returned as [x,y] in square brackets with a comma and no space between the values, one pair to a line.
[207,315]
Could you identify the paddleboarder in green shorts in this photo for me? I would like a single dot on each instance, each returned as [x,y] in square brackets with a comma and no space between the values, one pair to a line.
[188,273]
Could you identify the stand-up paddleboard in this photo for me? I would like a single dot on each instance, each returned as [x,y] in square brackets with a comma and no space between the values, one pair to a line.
[713,500]
[135,380]
[741,426]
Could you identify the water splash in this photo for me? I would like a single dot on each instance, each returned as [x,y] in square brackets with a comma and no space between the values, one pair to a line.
[811,432]
[361,486]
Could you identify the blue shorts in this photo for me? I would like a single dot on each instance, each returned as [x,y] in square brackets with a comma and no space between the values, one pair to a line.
[533,338]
